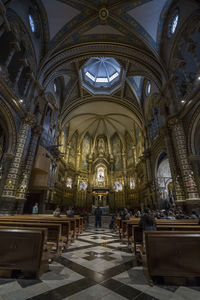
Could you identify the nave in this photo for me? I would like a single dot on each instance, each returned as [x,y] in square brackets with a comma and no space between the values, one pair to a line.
[96,266]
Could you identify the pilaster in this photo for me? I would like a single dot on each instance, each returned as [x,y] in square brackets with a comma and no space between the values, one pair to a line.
[179,140]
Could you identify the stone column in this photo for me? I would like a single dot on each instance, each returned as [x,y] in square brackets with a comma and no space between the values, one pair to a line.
[9,204]
[90,181]
[67,154]
[195,162]
[75,188]
[10,56]
[78,156]
[23,186]
[179,140]
[174,167]
[26,86]
[19,73]
[125,173]
[15,48]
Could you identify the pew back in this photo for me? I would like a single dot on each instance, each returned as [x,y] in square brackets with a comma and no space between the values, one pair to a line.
[173,253]
[24,250]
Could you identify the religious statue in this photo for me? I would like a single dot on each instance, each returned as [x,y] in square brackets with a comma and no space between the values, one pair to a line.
[101,145]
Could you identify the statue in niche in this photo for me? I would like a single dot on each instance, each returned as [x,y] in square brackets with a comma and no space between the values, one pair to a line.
[100,174]
[101,145]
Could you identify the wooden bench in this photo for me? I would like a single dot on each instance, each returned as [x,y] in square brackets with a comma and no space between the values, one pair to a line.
[173,257]
[65,224]
[54,232]
[172,225]
[73,227]
[23,250]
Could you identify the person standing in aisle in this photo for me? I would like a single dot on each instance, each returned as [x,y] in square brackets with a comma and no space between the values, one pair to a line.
[98,213]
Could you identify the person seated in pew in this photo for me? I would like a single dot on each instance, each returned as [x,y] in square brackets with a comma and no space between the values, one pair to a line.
[35,209]
[194,215]
[180,215]
[147,220]
[83,213]
[57,212]
[125,215]
[70,213]
[137,214]
[170,215]
[114,216]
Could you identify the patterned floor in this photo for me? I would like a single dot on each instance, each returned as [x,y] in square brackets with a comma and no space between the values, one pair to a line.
[96,266]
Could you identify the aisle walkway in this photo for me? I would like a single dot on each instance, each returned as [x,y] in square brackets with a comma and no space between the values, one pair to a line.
[96,266]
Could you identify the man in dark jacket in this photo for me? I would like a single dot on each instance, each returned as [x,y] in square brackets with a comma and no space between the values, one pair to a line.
[98,213]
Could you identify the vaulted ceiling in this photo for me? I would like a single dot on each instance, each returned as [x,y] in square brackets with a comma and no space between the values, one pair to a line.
[135,22]
[102,118]
[129,31]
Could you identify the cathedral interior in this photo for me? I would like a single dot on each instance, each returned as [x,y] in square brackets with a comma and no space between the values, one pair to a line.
[99,105]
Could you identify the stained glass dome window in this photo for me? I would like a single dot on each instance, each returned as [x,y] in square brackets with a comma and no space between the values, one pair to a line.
[55,87]
[148,88]
[101,75]
[173,23]
[31,22]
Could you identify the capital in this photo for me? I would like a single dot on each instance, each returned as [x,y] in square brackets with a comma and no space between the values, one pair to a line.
[173,122]
[37,130]
[29,119]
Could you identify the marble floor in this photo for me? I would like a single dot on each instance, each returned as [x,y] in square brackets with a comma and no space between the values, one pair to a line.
[96,266]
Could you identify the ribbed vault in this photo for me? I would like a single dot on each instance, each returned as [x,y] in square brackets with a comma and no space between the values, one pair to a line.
[101,118]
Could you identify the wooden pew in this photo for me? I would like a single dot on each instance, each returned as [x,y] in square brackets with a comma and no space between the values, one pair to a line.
[172,226]
[23,250]
[71,227]
[73,223]
[174,256]
[53,236]
[65,224]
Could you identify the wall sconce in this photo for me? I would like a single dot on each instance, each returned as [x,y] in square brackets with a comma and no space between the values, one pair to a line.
[10,182]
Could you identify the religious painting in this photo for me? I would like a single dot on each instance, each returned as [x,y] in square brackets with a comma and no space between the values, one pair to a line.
[132,184]
[129,149]
[101,145]
[73,145]
[69,182]
[118,186]
[83,185]
[116,147]
[85,152]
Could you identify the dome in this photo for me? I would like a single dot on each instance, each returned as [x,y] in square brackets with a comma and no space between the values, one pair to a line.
[102,69]
[101,74]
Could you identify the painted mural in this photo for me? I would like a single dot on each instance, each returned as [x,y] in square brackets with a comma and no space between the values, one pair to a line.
[83,186]
[73,145]
[69,182]
[116,147]
[85,152]
[118,186]
[132,184]
[129,149]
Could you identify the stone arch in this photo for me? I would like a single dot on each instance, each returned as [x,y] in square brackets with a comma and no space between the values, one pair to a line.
[163,180]
[194,133]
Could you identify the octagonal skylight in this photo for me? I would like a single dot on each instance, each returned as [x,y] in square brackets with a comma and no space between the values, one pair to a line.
[101,75]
